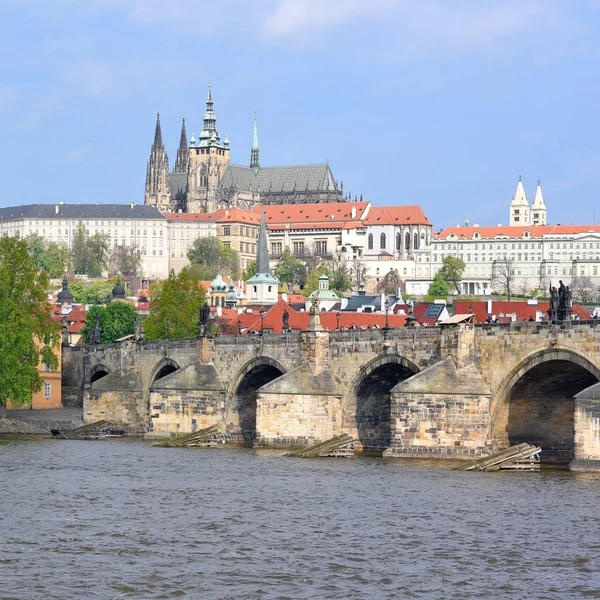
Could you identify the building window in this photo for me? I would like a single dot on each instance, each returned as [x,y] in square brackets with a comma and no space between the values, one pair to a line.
[370,241]
[298,248]
[321,247]
[47,390]
[416,241]
[382,241]
[227,230]
[407,241]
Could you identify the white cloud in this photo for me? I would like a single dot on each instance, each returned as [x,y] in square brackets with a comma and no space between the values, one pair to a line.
[301,17]
[74,155]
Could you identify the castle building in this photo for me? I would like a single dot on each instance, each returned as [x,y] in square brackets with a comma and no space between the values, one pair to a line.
[204,180]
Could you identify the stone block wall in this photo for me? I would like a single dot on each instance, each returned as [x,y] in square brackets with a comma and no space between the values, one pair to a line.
[186,411]
[126,407]
[442,411]
[296,419]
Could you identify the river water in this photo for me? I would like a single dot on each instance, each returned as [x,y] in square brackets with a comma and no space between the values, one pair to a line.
[123,519]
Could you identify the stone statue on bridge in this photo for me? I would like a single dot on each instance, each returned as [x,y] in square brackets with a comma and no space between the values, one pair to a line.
[203,323]
[561,303]
[286,320]
[97,331]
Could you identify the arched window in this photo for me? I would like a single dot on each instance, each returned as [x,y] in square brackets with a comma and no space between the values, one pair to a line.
[398,242]
[407,241]
[416,241]
[382,241]
[370,241]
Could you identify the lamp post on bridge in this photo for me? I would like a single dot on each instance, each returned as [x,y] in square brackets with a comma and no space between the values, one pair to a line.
[263,312]
[337,320]
[387,308]
[239,326]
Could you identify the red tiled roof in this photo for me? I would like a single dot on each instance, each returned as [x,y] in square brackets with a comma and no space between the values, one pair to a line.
[75,327]
[313,216]
[522,310]
[536,231]
[235,215]
[299,321]
[397,215]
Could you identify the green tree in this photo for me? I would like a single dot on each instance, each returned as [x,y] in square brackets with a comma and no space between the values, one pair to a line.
[28,335]
[175,307]
[210,256]
[89,253]
[249,271]
[438,287]
[56,259]
[91,293]
[117,320]
[453,268]
[312,281]
[340,278]
[52,257]
[36,246]
[289,269]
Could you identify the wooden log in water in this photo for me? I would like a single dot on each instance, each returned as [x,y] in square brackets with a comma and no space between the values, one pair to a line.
[189,439]
[495,462]
[323,448]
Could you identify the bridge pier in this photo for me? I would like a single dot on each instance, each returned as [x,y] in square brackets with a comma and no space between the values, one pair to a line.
[441,412]
[587,430]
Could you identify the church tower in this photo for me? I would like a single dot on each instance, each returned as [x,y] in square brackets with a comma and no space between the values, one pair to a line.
[158,193]
[255,153]
[538,208]
[262,288]
[519,207]
[208,160]
[183,152]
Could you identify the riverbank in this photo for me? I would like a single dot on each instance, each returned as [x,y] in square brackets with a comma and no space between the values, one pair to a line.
[40,422]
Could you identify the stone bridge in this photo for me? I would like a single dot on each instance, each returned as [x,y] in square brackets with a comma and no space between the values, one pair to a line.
[447,392]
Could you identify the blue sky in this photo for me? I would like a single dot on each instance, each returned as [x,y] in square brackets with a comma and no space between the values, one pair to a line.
[439,103]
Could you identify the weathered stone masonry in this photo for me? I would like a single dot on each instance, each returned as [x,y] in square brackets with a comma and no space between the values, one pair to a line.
[453,391]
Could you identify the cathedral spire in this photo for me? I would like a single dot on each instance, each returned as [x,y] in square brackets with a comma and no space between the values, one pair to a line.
[158,141]
[255,152]
[157,192]
[262,249]
[210,120]
[183,152]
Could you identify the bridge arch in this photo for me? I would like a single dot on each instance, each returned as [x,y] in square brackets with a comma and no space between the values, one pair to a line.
[98,371]
[535,404]
[242,393]
[366,406]
[164,367]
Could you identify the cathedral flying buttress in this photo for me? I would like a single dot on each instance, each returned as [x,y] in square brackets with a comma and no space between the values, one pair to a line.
[204,180]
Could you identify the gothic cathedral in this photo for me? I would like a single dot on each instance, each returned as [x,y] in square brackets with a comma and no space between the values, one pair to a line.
[204,180]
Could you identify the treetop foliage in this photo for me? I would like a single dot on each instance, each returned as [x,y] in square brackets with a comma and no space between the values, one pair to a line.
[117,320]
[28,334]
[175,307]
[210,256]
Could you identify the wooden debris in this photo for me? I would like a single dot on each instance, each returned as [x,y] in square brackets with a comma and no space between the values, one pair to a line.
[522,457]
[91,431]
[204,438]
[339,446]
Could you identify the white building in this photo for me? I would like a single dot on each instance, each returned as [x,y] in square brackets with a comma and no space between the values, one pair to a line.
[536,255]
[123,224]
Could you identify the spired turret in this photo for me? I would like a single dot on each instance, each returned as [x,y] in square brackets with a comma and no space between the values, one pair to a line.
[519,207]
[538,208]
[262,288]
[158,191]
